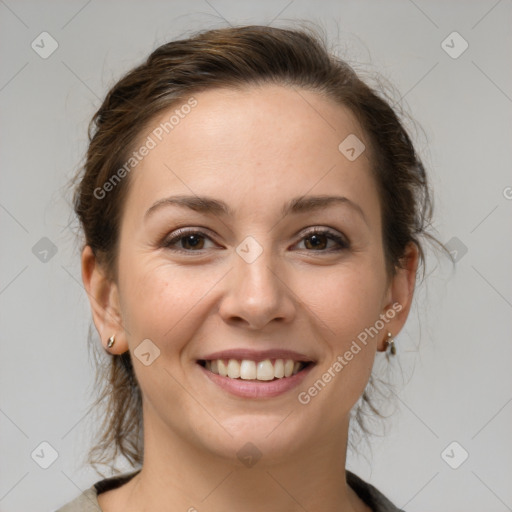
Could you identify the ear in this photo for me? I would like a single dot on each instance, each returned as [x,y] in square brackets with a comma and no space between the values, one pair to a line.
[104,299]
[400,293]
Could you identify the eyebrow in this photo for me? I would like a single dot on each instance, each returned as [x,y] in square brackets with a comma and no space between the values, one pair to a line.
[213,206]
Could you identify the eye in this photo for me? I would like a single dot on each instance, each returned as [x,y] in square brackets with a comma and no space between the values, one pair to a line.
[191,241]
[317,240]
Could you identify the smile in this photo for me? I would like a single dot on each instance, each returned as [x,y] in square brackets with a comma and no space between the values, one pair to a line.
[247,378]
[246,369]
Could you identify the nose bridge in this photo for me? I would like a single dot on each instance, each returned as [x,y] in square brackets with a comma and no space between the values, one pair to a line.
[257,292]
[255,270]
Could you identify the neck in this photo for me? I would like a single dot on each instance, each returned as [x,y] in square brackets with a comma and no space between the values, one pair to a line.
[180,475]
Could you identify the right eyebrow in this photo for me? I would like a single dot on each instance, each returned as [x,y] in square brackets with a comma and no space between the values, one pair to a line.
[199,204]
[209,205]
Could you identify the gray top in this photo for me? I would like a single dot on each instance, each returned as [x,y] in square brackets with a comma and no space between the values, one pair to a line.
[88,500]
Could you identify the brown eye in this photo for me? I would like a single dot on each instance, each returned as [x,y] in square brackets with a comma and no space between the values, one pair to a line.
[189,241]
[318,241]
[192,241]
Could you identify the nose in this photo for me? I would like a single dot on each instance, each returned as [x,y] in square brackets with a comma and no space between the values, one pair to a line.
[257,294]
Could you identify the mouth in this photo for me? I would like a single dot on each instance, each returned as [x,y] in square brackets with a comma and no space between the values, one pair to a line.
[256,374]
[266,370]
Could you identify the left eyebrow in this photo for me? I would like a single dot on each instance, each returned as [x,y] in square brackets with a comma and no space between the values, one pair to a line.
[303,204]
[213,206]
[199,204]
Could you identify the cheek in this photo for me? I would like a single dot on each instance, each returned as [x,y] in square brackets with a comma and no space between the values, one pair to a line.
[346,298]
[347,303]
[348,307]
[161,300]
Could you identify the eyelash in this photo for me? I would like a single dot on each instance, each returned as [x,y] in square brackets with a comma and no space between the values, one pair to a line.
[182,233]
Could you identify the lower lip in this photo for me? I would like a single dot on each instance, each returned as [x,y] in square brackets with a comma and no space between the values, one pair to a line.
[257,388]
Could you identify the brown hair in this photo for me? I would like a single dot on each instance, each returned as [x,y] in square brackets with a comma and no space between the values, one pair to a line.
[231,57]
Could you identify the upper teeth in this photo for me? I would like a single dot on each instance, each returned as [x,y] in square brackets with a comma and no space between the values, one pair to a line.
[251,370]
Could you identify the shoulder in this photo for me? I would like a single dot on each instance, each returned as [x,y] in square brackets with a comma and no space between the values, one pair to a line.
[370,494]
[88,500]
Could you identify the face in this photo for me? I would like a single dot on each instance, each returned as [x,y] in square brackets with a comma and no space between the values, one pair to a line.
[277,275]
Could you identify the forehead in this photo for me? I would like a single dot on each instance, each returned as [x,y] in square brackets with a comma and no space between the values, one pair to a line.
[265,142]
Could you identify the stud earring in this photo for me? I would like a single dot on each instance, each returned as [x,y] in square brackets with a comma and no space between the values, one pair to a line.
[391,343]
[111,341]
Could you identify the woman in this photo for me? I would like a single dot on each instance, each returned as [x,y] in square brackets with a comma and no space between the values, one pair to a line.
[253,215]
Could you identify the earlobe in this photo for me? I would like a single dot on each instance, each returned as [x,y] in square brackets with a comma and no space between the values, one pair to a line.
[104,300]
[400,294]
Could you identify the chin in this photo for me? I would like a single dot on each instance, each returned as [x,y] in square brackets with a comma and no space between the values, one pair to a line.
[261,439]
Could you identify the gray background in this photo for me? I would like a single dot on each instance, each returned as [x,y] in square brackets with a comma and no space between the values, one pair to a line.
[455,353]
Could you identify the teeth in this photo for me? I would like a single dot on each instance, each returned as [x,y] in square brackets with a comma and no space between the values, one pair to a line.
[265,370]
[223,369]
[233,369]
[279,368]
[247,369]
[288,368]
[250,370]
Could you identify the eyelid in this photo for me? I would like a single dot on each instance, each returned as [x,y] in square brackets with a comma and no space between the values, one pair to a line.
[180,233]
[340,238]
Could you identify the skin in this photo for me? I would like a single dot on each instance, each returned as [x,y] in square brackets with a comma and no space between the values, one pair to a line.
[255,149]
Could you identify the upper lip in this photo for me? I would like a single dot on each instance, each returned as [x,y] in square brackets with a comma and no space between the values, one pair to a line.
[257,355]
